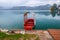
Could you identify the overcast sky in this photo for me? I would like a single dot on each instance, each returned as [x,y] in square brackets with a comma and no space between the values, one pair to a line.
[11,3]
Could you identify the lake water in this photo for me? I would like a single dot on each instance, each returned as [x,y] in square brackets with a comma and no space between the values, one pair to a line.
[13,19]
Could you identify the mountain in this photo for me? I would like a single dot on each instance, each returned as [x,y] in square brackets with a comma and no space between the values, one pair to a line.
[41,7]
[1,8]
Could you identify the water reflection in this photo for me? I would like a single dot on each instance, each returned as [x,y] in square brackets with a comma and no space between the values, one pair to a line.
[13,19]
[58,13]
[55,13]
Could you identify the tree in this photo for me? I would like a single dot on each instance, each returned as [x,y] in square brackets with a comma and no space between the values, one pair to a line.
[54,8]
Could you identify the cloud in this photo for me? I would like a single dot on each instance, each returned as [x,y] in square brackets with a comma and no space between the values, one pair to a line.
[33,3]
[40,2]
[54,1]
[10,3]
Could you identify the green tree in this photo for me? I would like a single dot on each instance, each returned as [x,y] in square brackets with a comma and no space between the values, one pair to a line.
[54,8]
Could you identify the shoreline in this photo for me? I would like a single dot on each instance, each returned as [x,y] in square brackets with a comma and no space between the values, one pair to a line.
[41,33]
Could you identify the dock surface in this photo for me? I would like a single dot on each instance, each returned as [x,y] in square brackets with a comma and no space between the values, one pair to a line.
[55,33]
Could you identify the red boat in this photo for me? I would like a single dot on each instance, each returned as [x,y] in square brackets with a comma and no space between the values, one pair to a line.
[28,23]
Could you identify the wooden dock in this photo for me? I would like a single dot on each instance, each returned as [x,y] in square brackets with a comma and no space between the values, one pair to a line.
[55,33]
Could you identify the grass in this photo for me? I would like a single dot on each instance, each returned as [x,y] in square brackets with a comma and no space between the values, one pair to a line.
[4,36]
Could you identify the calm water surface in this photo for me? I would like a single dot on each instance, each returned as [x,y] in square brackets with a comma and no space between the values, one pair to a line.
[13,19]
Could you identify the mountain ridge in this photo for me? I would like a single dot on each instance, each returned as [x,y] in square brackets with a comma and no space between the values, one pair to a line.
[41,7]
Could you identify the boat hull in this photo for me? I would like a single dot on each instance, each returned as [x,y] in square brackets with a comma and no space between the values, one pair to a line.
[29,24]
